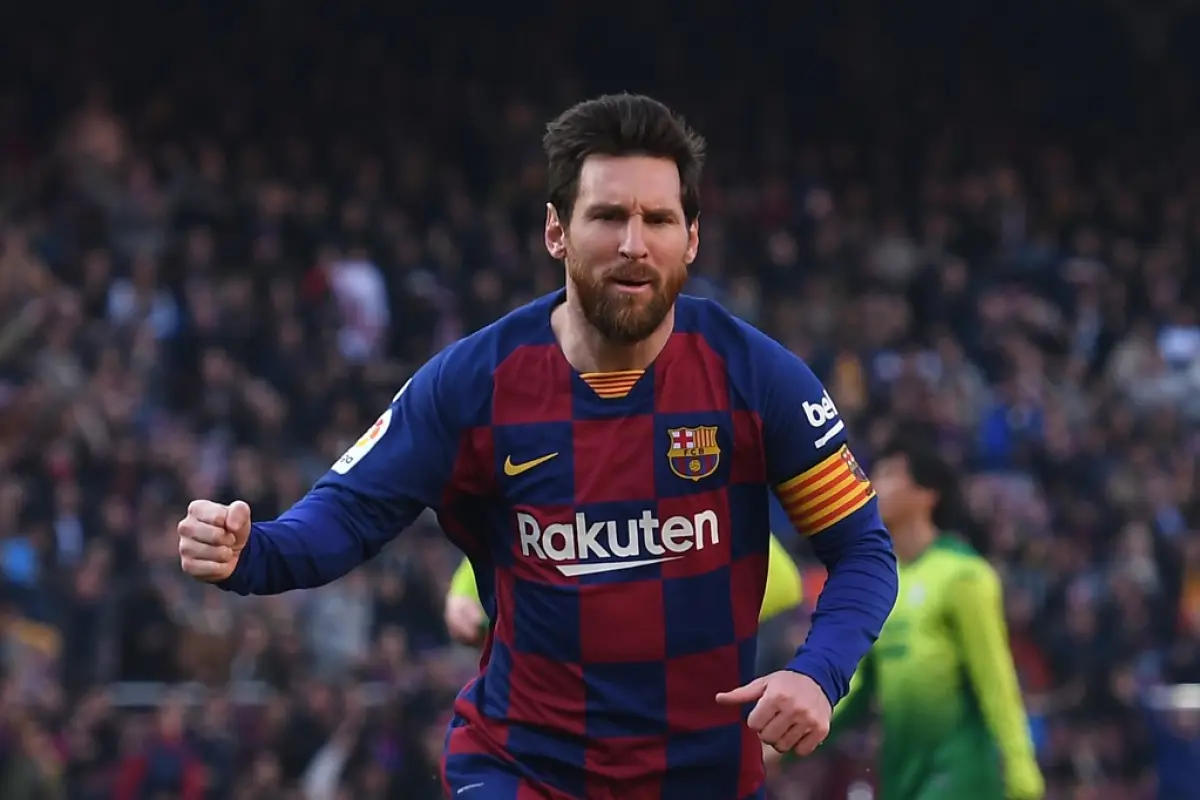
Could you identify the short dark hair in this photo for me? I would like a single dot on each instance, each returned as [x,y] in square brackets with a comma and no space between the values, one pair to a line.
[620,125]
[932,472]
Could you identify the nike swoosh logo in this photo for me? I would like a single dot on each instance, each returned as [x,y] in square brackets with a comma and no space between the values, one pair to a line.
[512,470]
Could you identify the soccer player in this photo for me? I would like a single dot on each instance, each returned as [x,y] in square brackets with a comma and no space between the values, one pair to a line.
[941,674]
[603,456]
[467,619]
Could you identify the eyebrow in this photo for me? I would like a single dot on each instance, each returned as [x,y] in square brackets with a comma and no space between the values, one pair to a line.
[618,208]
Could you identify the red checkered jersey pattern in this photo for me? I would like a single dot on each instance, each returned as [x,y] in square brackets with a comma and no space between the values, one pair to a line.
[620,540]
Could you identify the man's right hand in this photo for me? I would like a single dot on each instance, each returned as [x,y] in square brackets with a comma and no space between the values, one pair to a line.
[211,537]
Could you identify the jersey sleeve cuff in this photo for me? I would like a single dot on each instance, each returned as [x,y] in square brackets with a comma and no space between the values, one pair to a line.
[237,580]
[814,666]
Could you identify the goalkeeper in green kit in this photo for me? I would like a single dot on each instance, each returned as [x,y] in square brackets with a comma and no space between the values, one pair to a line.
[941,674]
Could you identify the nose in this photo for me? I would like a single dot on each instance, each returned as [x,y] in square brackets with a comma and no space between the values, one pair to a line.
[633,243]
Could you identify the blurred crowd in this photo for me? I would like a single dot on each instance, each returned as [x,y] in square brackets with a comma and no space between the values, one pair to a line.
[229,232]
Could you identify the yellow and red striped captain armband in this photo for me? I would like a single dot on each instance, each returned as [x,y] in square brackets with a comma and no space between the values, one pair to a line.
[826,494]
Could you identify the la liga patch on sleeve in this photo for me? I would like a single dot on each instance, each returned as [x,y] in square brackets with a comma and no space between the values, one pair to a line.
[364,444]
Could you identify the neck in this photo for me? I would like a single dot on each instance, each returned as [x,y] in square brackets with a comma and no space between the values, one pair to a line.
[586,349]
[913,538]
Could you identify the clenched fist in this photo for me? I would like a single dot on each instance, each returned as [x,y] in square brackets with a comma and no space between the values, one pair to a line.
[211,537]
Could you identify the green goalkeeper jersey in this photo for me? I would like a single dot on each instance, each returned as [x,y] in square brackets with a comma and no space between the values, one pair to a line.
[942,678]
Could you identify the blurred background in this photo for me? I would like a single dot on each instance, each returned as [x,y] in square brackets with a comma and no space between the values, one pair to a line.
[230,230]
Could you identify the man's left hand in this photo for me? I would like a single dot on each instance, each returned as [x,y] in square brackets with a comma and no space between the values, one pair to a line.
[791,712]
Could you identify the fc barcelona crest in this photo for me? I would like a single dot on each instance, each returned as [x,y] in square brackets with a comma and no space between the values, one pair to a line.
[694,453]
[852,465]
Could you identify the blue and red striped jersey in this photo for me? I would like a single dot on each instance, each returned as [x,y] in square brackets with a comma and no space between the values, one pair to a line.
[618,525]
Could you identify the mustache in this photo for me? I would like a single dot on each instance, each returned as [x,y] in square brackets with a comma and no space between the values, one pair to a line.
[633,272]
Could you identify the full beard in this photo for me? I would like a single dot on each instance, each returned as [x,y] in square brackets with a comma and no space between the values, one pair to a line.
[625,317]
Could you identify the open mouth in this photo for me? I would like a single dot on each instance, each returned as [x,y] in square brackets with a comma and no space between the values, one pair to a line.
[633,284]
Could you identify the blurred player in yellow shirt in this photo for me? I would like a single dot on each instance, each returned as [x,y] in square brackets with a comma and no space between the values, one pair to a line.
[941,675]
